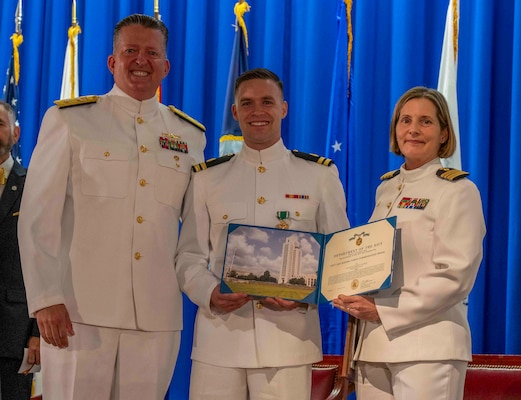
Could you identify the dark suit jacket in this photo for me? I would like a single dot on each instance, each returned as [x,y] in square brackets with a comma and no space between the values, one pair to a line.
[15,325]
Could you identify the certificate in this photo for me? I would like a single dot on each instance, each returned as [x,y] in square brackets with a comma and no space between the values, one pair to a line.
[307,266]
[359,260]
[26,367]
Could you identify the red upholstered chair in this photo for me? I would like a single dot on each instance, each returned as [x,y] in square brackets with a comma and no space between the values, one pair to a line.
[330,378]
[493,377]
[327,380]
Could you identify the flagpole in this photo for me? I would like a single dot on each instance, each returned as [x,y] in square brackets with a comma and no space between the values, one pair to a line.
[74,20]
[447,78]
[10,92]
[156,10]
[159,90]
[18,18]
[70,85]
[17,39]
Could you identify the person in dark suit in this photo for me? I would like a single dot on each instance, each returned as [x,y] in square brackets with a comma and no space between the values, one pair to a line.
[17,330]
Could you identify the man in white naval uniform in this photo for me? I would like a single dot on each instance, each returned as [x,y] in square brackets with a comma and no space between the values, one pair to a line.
[99,227]
[245,348]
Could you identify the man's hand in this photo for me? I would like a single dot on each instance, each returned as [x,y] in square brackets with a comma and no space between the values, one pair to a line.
[55,325]
[278,304]
[33,345]
[223,303]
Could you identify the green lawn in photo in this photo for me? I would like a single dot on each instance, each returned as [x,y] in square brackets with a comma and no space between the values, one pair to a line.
[256,288]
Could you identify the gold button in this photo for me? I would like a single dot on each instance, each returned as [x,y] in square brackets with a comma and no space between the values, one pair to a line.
[261,200]
[139,120]
[297,214]
[137,255]
[177,165]
[139,219]
[143,148]
[176,158]
[261,169]
[389,205]
[225,216]
[142,182]
[400,186]
[258,305]
[107,154]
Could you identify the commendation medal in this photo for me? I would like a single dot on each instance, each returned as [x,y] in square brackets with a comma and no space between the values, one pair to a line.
[281,216]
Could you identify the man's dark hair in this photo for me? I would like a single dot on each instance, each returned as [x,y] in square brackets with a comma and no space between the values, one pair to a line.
[145,21]
[259,73]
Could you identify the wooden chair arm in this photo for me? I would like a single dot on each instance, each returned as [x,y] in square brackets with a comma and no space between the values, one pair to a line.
[337,389]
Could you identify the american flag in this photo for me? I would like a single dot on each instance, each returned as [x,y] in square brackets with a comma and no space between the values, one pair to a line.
[10,95]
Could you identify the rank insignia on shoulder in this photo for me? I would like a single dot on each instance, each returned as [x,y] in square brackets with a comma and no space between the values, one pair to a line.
[211,162]
[313,157]
[390,175]
[451,174]
[188,118]
[76,101]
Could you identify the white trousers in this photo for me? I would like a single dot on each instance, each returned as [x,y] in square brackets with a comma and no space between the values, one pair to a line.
[441,380]
[110,364]
[210,382]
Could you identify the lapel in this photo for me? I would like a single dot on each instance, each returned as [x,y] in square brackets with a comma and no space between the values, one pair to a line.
[13,190]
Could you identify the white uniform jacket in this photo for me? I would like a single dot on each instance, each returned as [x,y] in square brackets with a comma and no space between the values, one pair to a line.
[438,252]
[98,225]
[250,189]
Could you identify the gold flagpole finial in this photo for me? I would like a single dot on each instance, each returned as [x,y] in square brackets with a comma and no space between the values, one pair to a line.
[18,18]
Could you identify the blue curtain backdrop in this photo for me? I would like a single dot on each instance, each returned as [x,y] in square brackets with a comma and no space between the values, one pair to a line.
[397,45]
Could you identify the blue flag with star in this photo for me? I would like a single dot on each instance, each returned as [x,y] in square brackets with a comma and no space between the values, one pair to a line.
[338,125]
[333,322]
[10,95]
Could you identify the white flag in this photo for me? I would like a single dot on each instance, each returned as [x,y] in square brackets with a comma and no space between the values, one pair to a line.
[447,80]
[70,83]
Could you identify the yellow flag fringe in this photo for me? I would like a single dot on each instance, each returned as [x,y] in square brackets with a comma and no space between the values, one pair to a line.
[455,32]
[242,7]
[73,33]
[17,39]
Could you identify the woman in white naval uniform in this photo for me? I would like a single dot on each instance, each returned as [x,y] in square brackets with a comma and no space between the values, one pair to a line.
[414,339]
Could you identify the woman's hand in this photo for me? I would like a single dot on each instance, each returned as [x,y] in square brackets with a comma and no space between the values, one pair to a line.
[361,307]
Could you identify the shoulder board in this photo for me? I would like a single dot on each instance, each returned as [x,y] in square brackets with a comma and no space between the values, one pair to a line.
[389,175]
[451,174]
[76,101]
[211,162]
[187,118]
[313,157]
